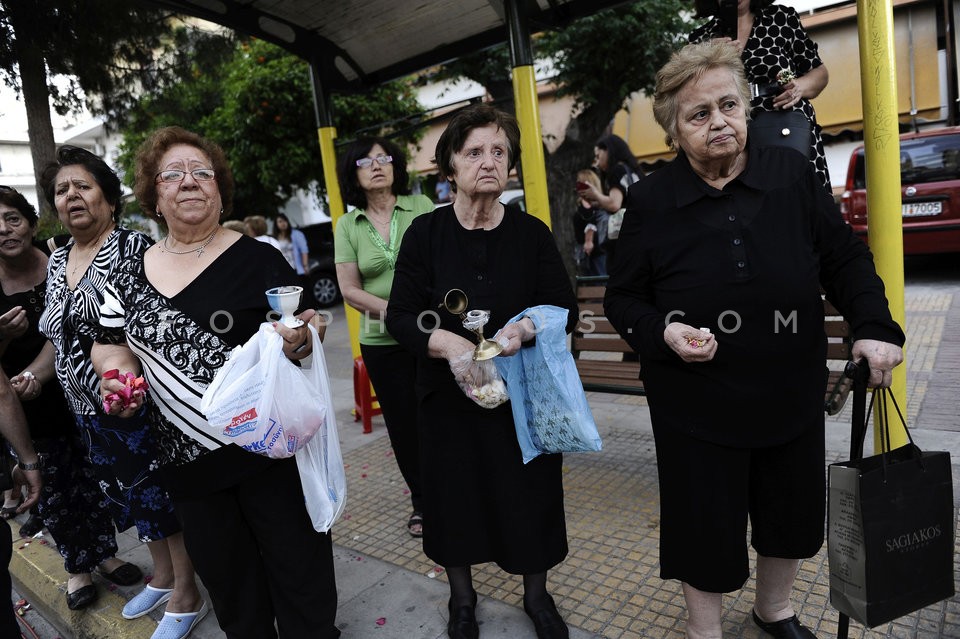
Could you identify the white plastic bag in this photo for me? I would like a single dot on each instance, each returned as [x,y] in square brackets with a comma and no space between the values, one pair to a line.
[321,464]
[262,401]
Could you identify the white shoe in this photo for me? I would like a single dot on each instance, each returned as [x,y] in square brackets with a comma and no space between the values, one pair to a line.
[177,625]
[146,601]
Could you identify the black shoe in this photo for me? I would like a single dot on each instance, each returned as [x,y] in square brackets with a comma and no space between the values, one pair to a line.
[547,621]
[81,597]
[463,621]
[123,575]
[32,526]
[785,628]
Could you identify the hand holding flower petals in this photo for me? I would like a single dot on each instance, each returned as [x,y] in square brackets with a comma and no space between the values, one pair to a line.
[134,388]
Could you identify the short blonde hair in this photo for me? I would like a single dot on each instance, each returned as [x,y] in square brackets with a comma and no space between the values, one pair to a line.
[236,225]
[590,177]
[257,225]
[690,63]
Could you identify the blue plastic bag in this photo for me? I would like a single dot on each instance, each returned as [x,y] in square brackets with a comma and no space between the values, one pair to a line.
[550,409]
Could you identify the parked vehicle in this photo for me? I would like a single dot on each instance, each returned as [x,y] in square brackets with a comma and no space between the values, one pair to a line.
[930,191]
[514,196]
[323,273]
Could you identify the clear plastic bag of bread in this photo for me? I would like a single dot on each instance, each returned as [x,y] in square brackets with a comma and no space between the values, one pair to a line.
[479,380]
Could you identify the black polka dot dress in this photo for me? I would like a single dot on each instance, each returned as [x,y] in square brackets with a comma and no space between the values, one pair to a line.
[778,42]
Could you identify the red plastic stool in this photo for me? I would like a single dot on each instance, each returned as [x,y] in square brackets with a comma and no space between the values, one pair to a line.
[365,405]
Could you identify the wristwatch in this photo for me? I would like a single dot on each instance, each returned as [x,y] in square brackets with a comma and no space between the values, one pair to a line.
[31,466]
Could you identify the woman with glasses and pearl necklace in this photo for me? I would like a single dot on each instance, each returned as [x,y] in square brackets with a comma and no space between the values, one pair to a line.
[86,195]
[176,312]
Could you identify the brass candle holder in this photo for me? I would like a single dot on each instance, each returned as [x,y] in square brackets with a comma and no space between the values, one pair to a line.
[455,301]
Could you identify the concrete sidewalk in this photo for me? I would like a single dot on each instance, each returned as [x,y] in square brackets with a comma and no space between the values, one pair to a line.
[609,585]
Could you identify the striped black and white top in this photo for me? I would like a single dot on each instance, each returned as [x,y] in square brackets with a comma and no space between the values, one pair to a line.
[71,318]
[183,340]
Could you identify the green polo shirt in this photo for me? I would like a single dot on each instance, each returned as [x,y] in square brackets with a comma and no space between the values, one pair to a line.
[355,240]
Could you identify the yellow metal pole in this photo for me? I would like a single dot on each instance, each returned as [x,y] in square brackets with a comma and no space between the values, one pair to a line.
[531,143]
[328,157]
[882,147]
[528,112]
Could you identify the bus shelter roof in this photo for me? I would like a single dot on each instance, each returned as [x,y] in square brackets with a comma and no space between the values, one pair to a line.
[363,44]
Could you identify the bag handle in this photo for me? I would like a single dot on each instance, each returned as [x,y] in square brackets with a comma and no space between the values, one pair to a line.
[859,371]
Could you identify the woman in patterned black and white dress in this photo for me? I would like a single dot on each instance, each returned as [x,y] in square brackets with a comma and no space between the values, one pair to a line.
[86,194]
[772,39]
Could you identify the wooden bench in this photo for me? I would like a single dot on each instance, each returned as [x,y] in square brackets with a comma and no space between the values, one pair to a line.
[599,350]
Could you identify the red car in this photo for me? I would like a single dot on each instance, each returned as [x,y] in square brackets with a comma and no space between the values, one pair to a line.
[930,191]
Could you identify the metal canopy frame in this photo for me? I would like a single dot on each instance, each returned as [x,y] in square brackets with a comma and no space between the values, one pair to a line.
[369,43]
[351,46]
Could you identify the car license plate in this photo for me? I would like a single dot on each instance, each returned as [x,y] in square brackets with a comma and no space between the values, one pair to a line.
[919,209]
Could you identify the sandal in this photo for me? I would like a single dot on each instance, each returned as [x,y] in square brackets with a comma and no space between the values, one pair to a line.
[125,574]
[32,526]
[82,597]
[177,625]
[415,524]
[8,512]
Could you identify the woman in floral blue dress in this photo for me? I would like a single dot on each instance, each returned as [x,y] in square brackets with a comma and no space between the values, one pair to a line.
[85,192]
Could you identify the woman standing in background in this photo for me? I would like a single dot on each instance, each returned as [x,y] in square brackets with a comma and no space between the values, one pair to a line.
[373,176]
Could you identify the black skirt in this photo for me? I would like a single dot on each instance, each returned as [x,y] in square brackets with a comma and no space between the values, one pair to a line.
[481,502]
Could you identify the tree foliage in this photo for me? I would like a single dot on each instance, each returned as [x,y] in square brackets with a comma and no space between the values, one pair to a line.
[256,101]
[104,51]
[101,50]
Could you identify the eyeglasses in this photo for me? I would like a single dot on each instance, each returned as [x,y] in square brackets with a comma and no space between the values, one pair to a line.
[382,160]
[174,175]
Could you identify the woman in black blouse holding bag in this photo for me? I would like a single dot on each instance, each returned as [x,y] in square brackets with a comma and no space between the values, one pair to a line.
[725,251]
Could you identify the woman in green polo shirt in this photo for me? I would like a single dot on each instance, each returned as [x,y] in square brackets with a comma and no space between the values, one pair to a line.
[373,178]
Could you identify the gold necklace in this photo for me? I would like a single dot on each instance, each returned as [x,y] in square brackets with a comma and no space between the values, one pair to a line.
[199,251]
[96,249]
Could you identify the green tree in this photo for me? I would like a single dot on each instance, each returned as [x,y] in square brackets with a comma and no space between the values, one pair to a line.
[599,61]
[256,101]
[103,50]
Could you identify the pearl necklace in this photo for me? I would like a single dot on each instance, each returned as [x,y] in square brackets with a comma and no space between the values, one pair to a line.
[198,251]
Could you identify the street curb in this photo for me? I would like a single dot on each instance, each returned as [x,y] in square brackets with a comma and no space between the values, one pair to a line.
[38,575]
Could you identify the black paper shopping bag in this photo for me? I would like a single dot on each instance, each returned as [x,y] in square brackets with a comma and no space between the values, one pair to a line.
[890,533]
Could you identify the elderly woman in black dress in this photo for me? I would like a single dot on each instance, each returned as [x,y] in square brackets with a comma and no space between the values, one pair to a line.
[177,311]
[481,503]
[738,240]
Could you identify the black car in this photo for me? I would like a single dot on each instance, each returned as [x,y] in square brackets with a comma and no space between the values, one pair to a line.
[323,273]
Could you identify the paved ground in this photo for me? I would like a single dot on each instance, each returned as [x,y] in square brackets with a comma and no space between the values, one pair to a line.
[608,586]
